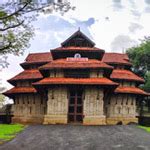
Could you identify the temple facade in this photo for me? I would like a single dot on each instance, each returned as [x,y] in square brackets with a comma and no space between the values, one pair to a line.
[76,83]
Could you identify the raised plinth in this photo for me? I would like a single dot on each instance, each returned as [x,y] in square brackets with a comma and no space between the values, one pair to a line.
[123,120]
[28,120]
[55,119]
[94,120]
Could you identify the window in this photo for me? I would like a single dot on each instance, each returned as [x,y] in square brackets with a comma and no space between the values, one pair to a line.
[77,55]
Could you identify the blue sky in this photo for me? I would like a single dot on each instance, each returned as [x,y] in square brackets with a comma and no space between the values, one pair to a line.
[113,25]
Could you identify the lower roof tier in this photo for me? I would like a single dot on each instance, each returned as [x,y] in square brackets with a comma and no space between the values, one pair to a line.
[32,74]
[75,81]
[119,74]
[131,90]
[20,90]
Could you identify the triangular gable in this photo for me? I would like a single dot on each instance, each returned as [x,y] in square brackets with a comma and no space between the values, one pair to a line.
[78,39]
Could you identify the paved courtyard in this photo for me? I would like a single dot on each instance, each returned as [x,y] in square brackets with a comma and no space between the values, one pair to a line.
[71,137]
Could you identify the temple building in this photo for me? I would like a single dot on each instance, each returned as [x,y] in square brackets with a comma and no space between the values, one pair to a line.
[76,83]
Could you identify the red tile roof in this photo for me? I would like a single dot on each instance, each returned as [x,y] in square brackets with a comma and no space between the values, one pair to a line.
[125,75]
[27,75]
[73,64]
[37,58]
[116,58]
[131,90]
[82,81]
[20,90]
[74,48]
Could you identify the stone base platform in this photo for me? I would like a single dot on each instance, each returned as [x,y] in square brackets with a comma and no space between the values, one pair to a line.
[94,120]
[55,119]
[123,120]
[28,120]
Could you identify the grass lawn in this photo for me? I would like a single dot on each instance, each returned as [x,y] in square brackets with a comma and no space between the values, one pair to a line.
[145,128]
[8,131]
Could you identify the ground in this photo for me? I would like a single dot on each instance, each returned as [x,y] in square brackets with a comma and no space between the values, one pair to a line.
[73,137]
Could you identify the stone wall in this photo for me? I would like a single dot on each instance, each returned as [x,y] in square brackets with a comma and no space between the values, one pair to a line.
[93,107]
[121,107]
[57,106]
[29,108]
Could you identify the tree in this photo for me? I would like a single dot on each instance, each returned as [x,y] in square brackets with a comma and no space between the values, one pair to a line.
[15,19]
[140,58]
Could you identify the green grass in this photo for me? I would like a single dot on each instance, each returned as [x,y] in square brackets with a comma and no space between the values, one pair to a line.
[8,131]
[145,128]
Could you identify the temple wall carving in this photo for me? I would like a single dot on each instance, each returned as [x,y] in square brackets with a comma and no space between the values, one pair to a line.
[93,106]
[121,107]
[57,106]
[29,108]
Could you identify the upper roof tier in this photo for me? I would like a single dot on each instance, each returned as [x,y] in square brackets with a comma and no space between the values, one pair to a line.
[77,43]
[78,39]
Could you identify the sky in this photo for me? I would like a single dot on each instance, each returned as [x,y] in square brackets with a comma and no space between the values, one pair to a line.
[114,25]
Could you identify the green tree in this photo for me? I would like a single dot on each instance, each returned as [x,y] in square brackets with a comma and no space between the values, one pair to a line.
[140,58]
[15,22]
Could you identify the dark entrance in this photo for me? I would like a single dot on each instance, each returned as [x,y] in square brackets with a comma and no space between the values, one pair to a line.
[75,110]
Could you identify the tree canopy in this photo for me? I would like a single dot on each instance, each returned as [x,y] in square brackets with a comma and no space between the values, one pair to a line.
[140,58]
[15,22]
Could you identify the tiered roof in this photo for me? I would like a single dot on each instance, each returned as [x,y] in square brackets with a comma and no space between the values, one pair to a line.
[62,58]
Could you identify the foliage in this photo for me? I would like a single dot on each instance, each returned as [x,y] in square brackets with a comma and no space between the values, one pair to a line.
[145,128]
[2,97]
[140,58]
[7,132]
[15,22]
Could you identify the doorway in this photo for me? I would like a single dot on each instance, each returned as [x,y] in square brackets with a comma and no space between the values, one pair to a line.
[75,110]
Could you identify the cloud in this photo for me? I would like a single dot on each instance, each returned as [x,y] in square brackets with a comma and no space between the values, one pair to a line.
[147,2]
[136,13]
[147,9]
[117,5]
[134,27]
[121,43]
